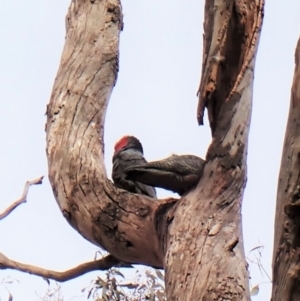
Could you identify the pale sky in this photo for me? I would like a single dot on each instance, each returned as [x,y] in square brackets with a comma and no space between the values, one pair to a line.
[154,99]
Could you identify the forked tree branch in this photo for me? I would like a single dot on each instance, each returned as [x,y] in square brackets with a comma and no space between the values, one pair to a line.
[102,264]
[22,199]
[121,222]
[198,239]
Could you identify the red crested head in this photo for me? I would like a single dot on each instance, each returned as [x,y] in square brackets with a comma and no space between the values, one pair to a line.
[128,142]
[121,143]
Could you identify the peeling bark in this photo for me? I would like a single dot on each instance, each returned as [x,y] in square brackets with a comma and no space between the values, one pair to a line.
[231,36]
[286,254]
[204,247]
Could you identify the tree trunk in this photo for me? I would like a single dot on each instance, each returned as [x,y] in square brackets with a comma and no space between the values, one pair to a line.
[286,254]
[197,239]
[205,257]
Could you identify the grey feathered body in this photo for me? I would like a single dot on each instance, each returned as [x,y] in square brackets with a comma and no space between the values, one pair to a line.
[124,159]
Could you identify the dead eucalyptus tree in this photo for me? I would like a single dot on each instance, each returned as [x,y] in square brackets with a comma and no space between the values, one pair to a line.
[197,239]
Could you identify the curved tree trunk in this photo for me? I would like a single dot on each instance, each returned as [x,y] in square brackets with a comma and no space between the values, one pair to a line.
[198,239]
[120,222]
[286,254]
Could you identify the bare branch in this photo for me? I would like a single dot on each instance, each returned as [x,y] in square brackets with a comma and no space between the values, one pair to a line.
[22,199]
[102,264]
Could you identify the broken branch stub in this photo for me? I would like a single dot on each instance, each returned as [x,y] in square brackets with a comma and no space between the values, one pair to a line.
[120,222]
[231,35]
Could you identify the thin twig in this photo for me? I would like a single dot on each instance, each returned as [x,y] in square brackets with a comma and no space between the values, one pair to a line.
[102,264]
[22,199]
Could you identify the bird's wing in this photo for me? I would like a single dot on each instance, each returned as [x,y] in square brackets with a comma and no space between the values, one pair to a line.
[129,158]
[176,173]
[154,177]
[181,165]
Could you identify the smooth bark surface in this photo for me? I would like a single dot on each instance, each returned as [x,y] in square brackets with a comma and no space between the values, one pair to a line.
[120,222]
[286,254]
[204,245]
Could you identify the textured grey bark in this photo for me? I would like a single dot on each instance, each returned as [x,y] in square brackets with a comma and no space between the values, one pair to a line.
[286,254]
